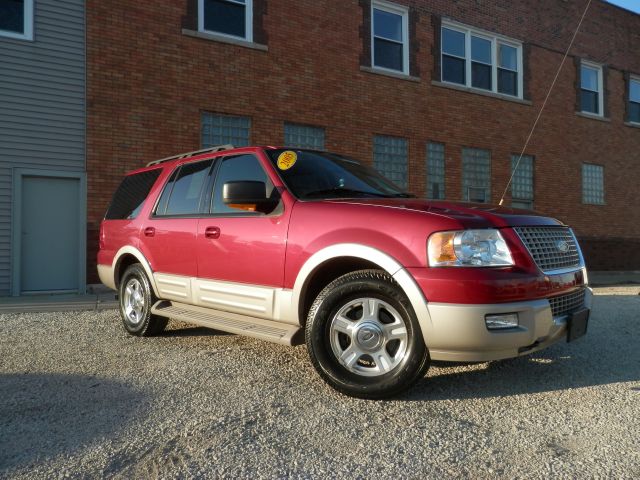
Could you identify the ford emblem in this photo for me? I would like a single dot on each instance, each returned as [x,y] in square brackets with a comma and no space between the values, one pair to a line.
[562,246]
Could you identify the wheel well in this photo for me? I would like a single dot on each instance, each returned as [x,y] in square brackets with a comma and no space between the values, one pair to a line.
[324,274]
[123,263]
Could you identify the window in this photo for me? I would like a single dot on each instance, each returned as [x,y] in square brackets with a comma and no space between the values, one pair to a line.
[233,18]
[634,100]
[181,195]
[522,183]
[435,171]
[130,196]
[303,136]
[16,19]
[390,39]
[592,184]
[591,88]
[481,60]
[390,158]
[476,175]
[234,169]
[225,129]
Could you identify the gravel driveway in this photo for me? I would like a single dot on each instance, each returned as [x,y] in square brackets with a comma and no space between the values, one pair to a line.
[80,398]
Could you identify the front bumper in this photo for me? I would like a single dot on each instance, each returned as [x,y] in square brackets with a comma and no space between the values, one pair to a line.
[457,332]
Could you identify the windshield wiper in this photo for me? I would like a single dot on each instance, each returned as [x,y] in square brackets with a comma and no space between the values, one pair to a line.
[342,192]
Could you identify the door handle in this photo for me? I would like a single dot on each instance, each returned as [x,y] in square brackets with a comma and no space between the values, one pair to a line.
[212,232]
[149,232]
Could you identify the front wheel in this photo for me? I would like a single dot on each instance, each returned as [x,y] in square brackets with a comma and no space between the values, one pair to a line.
[136,299]
[363,336]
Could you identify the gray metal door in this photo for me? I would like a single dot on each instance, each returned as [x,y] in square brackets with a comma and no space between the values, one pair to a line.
[50,221]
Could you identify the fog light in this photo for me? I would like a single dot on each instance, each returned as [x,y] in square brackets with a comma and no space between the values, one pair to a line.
[502,321]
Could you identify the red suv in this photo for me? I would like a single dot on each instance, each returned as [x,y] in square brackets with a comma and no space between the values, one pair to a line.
[299,246]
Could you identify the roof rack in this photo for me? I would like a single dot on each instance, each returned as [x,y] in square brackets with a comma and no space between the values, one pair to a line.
[217,148]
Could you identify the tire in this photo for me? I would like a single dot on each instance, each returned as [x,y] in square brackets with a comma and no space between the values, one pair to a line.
[136,299]
[363,336]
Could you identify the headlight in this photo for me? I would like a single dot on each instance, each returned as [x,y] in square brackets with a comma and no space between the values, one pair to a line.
[469,248]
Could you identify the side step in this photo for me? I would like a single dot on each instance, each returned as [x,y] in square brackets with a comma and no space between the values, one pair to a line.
[260,328]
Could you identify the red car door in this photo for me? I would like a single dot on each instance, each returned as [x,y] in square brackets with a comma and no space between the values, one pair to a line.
[241,253]
[168,237]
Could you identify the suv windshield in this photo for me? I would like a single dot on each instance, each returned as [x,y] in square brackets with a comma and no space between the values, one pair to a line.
[312,175]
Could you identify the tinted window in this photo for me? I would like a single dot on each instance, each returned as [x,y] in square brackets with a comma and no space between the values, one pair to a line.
[225,16]
[130,195]
[12,15]
[181,195]
[235,169]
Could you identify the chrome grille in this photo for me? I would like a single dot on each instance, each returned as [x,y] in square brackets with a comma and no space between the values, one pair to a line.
[564,304]
[542,243]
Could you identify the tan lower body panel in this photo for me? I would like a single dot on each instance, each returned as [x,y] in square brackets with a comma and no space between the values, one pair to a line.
[260,328]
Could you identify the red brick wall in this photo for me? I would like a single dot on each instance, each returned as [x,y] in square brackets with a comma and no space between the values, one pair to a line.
[148,84]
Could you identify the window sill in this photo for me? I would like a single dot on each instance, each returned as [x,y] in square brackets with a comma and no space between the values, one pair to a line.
[224,39]
[594,204]
[399,76]
[16,36]
[632,124]
[476,91]
[593,116]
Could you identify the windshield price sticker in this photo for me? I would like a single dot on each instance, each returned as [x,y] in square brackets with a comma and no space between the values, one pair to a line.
[287,159]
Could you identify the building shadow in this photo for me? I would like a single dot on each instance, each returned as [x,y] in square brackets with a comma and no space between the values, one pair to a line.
[608,354]
[46,415]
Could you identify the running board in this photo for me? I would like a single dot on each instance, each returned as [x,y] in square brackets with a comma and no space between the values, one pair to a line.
[260,328]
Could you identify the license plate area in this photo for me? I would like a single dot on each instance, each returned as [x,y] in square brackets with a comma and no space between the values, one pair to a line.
[577,324]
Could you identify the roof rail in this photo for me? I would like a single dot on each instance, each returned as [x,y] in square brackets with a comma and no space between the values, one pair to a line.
[217,148]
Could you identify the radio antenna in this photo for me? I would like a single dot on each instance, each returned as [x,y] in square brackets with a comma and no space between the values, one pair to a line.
[526,144]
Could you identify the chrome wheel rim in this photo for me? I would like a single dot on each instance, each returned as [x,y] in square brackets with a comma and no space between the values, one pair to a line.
[133,301]
[368,337]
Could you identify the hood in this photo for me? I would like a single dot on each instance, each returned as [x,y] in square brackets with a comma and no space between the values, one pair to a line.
[471,215]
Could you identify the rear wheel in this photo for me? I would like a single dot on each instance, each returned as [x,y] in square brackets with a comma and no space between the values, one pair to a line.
[363,336]
[136,299]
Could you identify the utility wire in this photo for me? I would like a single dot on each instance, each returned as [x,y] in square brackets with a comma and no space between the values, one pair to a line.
[526,144]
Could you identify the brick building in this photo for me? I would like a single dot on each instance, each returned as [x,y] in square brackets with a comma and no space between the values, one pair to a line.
[438,95]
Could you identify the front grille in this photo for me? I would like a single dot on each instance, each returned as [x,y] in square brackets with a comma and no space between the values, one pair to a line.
[564,304]
[542,243]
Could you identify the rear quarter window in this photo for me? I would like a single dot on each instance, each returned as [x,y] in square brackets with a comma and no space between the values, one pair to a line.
[131,194]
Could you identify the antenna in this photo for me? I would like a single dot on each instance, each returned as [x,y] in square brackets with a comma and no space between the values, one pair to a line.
[524,148]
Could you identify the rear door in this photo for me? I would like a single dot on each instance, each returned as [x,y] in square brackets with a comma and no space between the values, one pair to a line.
[240,253]
[168,237]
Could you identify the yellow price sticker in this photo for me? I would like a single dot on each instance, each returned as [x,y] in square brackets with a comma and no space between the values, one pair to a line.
[287,159]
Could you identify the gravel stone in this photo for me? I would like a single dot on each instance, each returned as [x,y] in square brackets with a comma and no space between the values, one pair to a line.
[81,398]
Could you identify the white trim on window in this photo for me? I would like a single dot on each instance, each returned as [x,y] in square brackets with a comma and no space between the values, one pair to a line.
[28,24]
[633,79]
[598,68]
[495,40]
[248,19]
[396,10]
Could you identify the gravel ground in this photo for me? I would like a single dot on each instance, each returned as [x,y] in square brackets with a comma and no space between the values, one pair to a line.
[80,398]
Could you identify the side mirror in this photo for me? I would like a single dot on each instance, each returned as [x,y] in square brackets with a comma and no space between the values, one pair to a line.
[248,195]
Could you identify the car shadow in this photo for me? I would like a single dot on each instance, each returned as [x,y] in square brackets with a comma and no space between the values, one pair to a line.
[185,330]
[46,415]
[608,354]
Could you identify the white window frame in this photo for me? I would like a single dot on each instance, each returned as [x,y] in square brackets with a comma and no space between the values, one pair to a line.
[28,24]
[495,41]
[633,79]
[396,10]
[600,92]
[248,19]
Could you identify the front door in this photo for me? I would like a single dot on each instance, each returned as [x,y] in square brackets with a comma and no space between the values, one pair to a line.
[240,253]
[50,221]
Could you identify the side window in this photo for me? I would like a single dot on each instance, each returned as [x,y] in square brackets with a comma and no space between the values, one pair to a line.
[130,196]
[16,19]
[181,195]
[234,169]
